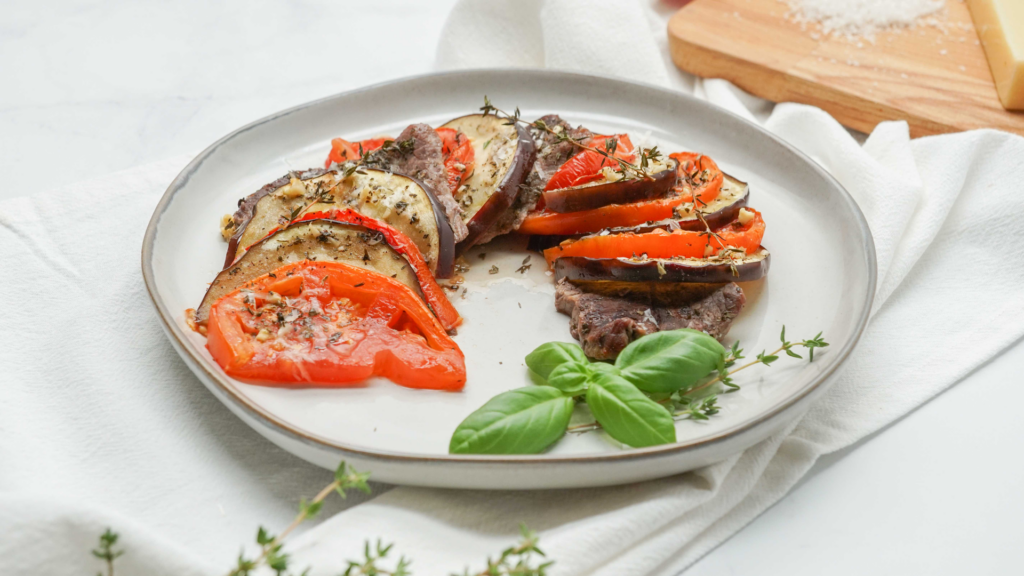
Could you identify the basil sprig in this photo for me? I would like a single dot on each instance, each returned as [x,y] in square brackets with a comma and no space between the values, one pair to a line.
[654,381]
[528,420]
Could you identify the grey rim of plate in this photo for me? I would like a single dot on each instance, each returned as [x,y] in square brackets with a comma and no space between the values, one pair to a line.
[177,334]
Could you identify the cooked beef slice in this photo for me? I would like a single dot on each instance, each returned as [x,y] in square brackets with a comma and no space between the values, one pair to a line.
[416,152]
[551,154]
[604,325]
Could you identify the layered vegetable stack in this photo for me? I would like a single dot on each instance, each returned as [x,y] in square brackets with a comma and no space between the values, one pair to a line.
[640,243]
[330,274]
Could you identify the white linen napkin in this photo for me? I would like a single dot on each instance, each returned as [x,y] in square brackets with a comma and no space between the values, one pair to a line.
[102,425]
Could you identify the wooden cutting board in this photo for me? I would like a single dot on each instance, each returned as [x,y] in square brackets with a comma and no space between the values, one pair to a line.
[938,82]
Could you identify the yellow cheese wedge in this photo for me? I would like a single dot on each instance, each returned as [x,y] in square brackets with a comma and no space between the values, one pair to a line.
[1000,25]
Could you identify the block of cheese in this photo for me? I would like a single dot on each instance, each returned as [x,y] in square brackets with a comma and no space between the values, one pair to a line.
[1000,25]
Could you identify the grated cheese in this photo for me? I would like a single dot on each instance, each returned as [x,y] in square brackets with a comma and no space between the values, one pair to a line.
[863,18]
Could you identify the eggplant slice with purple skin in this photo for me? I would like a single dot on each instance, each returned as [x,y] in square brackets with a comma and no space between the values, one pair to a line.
[682,270]
[504,155]
[613,191]
[240,229]
[319,240]
[400,201]
[719,212]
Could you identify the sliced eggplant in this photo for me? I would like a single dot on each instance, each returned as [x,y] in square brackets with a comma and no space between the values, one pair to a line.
[719,212]
[276,201]
[614,188]
[684,270]
[551,153]
[400,201]
[318,240]
[661,293]
[504,155]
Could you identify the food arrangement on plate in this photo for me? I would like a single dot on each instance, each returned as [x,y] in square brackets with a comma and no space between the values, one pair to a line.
[331,274]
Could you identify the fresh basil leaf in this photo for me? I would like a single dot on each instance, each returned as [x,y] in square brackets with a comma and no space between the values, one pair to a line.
[521,421]
[669,361]
[599,367]
[627,414]
[571,378]
[553,354]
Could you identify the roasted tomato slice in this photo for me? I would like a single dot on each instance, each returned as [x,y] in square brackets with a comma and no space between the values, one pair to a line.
[331,324]
[699,178]
[586,166]
[432,292]
[342,150]
[745,232]
[459,157]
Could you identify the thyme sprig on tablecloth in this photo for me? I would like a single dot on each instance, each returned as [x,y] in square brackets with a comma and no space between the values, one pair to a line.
[515,560]
[345,478]
[639,170]
[105,551]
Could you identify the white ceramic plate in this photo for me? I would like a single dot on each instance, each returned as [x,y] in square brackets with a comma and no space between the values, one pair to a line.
[822,279]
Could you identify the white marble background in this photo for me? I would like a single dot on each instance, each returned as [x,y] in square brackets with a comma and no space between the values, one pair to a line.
[89,87]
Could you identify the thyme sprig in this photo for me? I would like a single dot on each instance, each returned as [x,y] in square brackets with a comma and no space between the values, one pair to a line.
[321,195]
[366,159]
[690,404]
[699,408]
[640,170]
[515,560]
[345,478]
[371,556]
[736,353]
[627,169]
[105,551]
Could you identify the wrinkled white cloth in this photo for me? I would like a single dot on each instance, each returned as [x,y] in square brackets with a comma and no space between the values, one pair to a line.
[102,425]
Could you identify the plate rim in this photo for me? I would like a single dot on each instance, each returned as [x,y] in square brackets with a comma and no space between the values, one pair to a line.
[253,410]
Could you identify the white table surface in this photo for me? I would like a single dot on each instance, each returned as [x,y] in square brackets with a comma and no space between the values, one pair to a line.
[91,87]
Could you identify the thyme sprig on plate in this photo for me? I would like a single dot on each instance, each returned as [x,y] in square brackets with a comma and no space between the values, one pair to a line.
[655,380]
[639,170]
[517,560]
[691,404]
[325,194]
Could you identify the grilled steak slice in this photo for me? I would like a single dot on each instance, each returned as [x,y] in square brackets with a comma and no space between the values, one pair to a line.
[416,152]
[605,324]
[551,154]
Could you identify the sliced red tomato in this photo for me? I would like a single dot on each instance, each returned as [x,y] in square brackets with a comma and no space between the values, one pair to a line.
[700,179]
[432,292]
[664,244]
[331,324]
[586,166]
[342,150]
[693,183]
[459,157]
